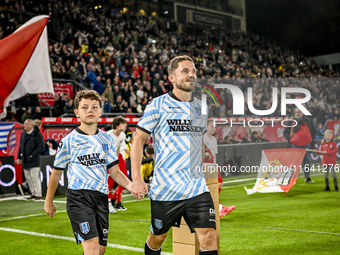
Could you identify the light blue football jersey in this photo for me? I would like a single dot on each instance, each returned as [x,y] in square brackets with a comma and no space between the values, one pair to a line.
[87,157]
[177,129]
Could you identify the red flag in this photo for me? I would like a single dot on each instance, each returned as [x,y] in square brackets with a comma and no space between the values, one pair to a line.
[278,171]
[25,66]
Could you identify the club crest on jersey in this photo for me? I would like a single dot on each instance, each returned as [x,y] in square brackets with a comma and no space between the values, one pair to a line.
[142,116]
[84,227]
[198,111]
[105,147]
[158,223]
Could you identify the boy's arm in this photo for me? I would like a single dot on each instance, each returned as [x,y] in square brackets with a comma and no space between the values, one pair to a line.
[49,206]
[120,178]
[136,160]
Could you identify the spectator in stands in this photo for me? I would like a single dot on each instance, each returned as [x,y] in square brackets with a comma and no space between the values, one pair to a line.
[72,73]
[106,106]
[91,76]
[234,139]
[98,85]
[319,131]
[37,113]
[58,106]
[140,94]
[116,92]
[132,97]
[69,107]
[322,115]
[108,94]
[109,45]
[118,105]
[301,136]
[23,103]
[246,138]
[155,81]
[226,140]
[255,137]
[27,115]
[263,138]
[30,148]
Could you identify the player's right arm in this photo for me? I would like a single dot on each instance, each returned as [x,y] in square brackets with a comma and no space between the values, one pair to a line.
[136,159]
[49,206]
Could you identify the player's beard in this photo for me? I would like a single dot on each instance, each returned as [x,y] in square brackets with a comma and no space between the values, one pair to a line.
[184,87]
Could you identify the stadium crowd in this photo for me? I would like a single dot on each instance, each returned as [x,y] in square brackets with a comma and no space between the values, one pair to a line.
[124,57]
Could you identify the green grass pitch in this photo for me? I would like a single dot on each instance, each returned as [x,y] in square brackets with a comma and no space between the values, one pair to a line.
[303,221]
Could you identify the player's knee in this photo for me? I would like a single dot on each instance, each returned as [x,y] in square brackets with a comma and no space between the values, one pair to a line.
[220,185]
[208,239]
[158,240]
[102,250]
[90,247]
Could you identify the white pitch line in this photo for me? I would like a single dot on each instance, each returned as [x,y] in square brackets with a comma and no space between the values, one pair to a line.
[301,230]
[12,198]
[66,238]
[288,229]
[27,216]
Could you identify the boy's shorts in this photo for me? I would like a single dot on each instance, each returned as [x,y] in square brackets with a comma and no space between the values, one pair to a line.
[89,215]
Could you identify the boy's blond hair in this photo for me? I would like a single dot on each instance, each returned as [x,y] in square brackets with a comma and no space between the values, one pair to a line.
[329,131]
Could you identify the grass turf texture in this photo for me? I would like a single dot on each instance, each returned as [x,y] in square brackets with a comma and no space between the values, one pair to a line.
[303,221]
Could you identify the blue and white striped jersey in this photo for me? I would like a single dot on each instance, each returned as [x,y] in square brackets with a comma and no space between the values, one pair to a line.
[87,158]
[177,128]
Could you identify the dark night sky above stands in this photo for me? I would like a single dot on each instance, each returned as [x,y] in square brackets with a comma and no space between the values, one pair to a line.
[312,26]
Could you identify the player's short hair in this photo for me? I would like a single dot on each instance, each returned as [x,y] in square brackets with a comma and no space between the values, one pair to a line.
[86,94]
[174,62]
[117,121]
[149,150]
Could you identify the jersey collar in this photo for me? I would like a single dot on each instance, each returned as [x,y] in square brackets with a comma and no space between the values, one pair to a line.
[176,98]
[83,133]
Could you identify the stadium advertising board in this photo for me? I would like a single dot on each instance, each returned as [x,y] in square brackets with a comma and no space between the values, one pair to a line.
[186,14]
[59,90]
[46,166]
[7,175]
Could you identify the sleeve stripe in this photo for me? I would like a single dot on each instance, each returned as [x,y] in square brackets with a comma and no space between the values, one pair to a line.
[59,168]
[143,129]
[112,164]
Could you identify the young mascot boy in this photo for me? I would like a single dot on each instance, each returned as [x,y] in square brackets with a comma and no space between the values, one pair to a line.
[87,152]
[329,150]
